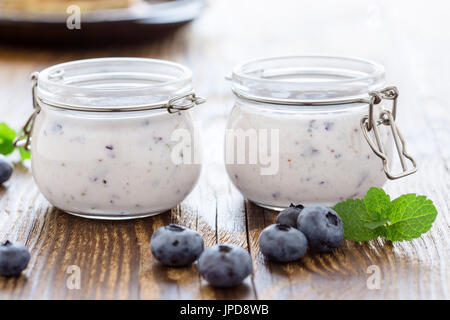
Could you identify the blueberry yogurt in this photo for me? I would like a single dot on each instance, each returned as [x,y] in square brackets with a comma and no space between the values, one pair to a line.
[318,153]
[122,162]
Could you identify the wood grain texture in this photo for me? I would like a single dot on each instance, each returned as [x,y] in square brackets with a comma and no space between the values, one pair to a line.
[114,257]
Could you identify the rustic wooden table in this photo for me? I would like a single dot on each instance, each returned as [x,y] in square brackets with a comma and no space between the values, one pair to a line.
[114,257]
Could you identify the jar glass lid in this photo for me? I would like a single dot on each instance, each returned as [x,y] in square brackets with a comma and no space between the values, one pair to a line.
[113,82]
[307,79]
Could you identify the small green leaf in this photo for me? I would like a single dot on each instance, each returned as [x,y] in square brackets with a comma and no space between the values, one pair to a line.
[410,216]
[355,218]
[405,218]
[24,154]
[377,203]
[7,132]
[7,136]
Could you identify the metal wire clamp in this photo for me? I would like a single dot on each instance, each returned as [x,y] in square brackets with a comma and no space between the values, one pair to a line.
[24,138]
[387,118]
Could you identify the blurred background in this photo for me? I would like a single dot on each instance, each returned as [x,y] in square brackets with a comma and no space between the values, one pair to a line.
[97,22]
[410,38]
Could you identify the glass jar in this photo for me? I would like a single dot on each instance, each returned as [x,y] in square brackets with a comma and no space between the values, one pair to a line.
[106,136]
[300,127]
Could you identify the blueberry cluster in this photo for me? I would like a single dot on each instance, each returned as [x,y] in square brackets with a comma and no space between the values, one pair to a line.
[224,265]
[298,227]
[14,257]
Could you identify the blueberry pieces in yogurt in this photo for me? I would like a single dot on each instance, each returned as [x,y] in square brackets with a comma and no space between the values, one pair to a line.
[6,169]
[282,243]
[322,227]
[14,258]
[225,265]
[289,216]
[176,246]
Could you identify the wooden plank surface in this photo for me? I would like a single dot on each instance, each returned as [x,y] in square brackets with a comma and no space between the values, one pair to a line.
[114,257]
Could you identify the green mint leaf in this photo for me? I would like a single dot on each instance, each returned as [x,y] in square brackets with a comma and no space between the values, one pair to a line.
[377,203]
[24,154]
[405,218]
[409,217]
[355,218]
[7,136]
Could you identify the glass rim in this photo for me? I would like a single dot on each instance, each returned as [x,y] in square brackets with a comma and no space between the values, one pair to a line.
[113,81]
[44,75]
[345,78]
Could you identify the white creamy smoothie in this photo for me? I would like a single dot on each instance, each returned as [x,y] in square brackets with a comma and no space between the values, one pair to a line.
[107,165]
[306,113]
[114,138]
[323,156]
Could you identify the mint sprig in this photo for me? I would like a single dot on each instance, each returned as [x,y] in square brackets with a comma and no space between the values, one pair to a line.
[7,136]
[405,218]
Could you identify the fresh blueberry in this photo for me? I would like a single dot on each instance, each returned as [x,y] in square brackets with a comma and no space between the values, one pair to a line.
[6,169]
[282,243]
[176,246]
[289,215]
[322,226]
[14,258]
[225,265]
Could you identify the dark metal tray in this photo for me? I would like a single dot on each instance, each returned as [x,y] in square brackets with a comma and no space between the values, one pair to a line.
[142,22]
